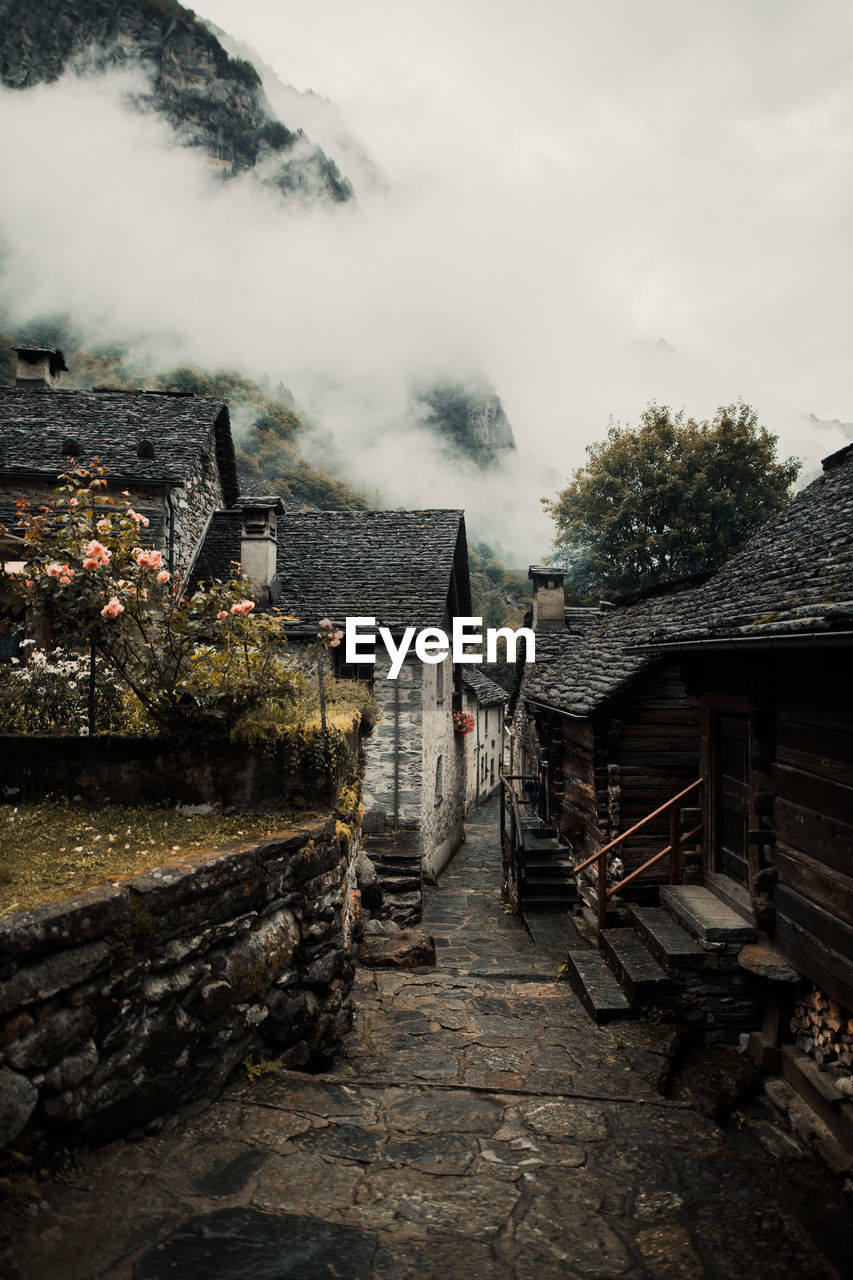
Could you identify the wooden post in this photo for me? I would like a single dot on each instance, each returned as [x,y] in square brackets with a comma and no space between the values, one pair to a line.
[503,818]
[602,894]
[321,688]
[92,690]
[675,845]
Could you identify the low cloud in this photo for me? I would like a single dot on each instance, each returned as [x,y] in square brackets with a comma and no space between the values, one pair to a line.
[546,240]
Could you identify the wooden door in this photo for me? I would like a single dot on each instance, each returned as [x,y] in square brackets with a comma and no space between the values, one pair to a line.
[731,796]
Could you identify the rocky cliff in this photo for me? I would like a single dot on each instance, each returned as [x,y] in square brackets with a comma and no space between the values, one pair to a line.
[212,100]
[470,417]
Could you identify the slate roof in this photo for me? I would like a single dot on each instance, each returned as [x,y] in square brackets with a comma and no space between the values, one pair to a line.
[220,548]
[392,565]
[486,691]
[576,670]
[793,579]
[37,429]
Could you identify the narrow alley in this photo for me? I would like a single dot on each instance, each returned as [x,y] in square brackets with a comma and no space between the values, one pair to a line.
[478,1125]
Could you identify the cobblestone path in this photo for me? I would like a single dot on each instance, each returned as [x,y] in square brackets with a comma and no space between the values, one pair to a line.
[479,1127]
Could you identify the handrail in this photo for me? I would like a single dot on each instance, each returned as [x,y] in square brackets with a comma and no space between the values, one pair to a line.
[516,812]
[620,884]
[637,825]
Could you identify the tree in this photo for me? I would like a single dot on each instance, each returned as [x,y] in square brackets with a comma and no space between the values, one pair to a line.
[671,498]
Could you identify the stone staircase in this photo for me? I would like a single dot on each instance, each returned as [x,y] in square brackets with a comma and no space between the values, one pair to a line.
[547,881]
[683,953]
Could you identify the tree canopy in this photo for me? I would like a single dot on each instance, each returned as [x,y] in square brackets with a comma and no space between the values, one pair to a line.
[667,499]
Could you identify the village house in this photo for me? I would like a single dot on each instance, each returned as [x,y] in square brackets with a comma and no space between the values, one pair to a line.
[610,733]
[485,702]
[742,681]
[405,569]
[172,452]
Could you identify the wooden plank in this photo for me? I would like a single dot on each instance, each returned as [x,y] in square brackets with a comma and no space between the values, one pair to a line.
[824,885]
[826,925]
[809,956]
[825,795]
[825,839]
[823,742]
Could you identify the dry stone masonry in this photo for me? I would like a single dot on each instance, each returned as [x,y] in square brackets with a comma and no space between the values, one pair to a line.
[133,999]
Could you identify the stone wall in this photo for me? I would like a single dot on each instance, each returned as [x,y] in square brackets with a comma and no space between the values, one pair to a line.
[442,818]
[134,999]
[129,771]
[398,703]
[392,791]
[194,502]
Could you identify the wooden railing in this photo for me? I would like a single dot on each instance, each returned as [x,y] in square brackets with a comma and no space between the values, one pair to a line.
[673,850]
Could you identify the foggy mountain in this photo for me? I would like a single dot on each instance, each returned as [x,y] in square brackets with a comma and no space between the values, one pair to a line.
[496,221]
[211,100]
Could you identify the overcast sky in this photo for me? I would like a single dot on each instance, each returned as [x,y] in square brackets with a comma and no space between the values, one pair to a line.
[563,184]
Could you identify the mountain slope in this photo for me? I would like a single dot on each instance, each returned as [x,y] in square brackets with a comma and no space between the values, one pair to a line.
[212,100]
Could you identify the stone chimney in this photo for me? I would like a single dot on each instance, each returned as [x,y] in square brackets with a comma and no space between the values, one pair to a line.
[549,601]
[259,544]
[39,368]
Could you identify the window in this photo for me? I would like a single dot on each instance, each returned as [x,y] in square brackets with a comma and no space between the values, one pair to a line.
[439,682]
[439,769]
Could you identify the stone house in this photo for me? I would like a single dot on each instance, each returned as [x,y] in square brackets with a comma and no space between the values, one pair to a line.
[172,452]
[405,569]
[486,702]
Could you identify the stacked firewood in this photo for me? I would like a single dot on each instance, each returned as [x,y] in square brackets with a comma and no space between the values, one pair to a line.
[823,1030]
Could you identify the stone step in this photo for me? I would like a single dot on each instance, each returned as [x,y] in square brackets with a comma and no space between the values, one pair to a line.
[549,864]
[700,911]
[638,972]
[667,941]
[554,930]
[543,846]
[548,886]
[596,987]
[533,900]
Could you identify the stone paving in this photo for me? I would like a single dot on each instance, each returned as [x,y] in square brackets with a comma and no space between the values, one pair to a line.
[479,1126]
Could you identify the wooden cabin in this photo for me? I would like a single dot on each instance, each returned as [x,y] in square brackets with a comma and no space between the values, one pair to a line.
[766,648]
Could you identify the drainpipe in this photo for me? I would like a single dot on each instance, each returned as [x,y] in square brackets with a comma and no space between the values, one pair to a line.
[477,765]
[396,755]
[171,551]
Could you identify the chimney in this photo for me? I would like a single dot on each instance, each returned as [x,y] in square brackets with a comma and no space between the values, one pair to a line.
[39,368]
[259,544]
[549,601]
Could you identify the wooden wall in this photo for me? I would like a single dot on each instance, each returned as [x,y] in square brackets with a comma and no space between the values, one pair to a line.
[647,749]
[811,782]
[800,709]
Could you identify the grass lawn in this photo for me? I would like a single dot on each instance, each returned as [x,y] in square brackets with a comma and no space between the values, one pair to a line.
[52,851]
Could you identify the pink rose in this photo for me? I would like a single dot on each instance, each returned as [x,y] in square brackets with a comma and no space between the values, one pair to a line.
[222,613]
[113,608]
[244,607]
[53,570]
[97,552]
[163,575]
[72,502]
